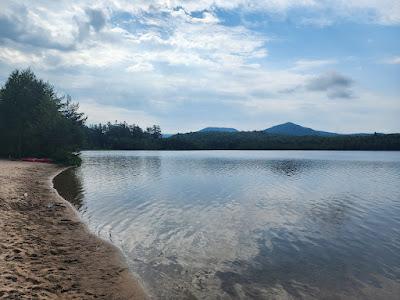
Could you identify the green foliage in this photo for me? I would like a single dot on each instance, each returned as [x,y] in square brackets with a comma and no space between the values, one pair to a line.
[67,158]
[258,140]
[121,136]
[154,131]
[35,121]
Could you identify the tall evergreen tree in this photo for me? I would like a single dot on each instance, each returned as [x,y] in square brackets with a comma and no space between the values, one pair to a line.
[35,121]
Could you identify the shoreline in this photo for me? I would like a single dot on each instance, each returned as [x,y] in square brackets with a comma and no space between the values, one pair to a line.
[46,251]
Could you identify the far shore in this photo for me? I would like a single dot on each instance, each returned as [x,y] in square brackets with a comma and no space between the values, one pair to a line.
[46,252]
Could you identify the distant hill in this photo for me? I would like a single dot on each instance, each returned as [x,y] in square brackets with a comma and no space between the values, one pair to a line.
[218,129]
[289,129]
[292,129]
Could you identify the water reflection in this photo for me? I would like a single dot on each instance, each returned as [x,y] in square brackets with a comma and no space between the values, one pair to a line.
[291,167]
[70,187]
[244,224]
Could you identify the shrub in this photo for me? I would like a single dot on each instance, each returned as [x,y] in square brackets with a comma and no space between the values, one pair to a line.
[67,158]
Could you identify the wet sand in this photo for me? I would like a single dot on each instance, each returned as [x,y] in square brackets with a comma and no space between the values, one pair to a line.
[45,251]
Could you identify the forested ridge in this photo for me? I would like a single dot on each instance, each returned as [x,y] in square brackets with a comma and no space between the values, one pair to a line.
[259,140]
[122,136]
[36,121]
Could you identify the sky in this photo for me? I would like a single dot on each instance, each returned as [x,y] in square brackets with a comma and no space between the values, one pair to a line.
[332,65]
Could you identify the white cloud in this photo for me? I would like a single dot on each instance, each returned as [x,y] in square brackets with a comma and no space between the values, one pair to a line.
[190,40]
[384,12]
[393,60]
[140,67]
[317,21]
[308,64]
[17,57]
[379,11]
[133,57]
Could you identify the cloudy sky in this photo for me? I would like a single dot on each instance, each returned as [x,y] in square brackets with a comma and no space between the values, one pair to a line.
[328,64]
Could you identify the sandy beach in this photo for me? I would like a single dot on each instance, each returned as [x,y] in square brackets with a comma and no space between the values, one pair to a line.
[45,251]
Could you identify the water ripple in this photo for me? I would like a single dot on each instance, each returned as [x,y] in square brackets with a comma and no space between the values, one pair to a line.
[248,224]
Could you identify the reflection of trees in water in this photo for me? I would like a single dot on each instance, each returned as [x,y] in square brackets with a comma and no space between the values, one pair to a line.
[290,167]
[138,165]
[118,169]
[70,187]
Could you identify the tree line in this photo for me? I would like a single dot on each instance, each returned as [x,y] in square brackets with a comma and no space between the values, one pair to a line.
[36,121]
[259,140]
[121,136]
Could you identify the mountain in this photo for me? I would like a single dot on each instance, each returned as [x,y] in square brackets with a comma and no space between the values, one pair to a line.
[218,129]
[296,130]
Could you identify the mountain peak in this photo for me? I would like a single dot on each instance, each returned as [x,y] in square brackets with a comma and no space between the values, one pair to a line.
[291,124]
[290,128]
[218,129]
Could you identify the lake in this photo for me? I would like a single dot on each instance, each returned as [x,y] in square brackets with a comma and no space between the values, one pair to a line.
[247,224]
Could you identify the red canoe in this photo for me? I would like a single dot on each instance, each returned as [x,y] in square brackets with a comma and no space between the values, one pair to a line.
[34,159]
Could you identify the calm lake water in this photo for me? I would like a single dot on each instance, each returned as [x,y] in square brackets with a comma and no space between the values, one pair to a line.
[247,224]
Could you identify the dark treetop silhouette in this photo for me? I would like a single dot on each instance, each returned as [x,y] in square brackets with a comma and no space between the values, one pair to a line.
[35,121]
